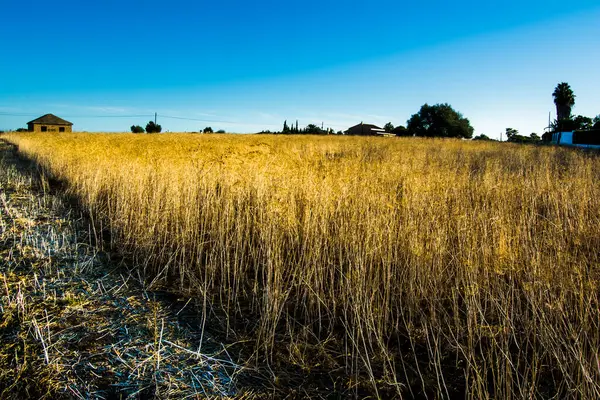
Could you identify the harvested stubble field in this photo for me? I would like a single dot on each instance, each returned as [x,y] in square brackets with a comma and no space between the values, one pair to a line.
[396,267]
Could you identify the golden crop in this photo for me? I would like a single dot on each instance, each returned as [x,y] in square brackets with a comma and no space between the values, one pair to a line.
[427,261]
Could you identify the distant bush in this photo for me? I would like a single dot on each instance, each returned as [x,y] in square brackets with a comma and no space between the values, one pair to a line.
[22,130]
[312,129]
[151,127]
[482,137]
[514,137]
[208,129]
[401,131]
[221,131]
[137,129]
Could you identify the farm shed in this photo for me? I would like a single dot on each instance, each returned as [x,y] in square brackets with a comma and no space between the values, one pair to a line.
[49,123]
[364,129]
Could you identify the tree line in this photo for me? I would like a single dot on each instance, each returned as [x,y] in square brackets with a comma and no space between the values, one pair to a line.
[310,129]
[441,120]
[152,127]
[564,99]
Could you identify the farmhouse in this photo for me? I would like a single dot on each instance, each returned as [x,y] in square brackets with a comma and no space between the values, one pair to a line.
[49,123]
[364,129]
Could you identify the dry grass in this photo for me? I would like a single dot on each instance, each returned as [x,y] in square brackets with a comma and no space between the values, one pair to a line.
[73,325]
[424,267]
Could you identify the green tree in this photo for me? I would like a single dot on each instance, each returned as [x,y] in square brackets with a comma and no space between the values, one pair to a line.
[510,132]
[137,129]
[579,123]
[400,130]
[582,123]
[596,122]
[208,129]
[388,127]
[482,137]
[535,137]
[564,99]
[439,120]
[513,136]
[151,127]
[312,129]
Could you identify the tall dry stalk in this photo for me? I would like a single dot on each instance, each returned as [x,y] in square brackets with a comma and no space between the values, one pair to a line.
[435,266]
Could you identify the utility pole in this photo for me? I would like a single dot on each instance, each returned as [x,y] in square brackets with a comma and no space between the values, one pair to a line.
[500,135]
[154,118]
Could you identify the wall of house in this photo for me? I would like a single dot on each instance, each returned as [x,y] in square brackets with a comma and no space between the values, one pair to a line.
[566,139]
[50,128]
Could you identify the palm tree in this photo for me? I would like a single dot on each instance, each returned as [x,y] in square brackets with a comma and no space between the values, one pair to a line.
[564,98]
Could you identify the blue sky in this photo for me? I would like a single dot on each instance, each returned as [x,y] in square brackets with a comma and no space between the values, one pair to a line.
[247,66]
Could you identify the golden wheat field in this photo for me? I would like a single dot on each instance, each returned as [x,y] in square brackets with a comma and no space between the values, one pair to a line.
[420,267]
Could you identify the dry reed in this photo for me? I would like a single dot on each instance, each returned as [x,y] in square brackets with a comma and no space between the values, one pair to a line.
[431,267]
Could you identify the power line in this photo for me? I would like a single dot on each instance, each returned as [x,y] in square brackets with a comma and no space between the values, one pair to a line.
[8,114]
[232,122]
[76,116]
[17,114]
[216,120]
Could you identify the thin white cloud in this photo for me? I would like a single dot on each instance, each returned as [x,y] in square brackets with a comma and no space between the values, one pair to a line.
[10,109]
[108,109]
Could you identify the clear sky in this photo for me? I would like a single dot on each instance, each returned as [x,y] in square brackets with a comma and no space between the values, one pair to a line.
[248,66]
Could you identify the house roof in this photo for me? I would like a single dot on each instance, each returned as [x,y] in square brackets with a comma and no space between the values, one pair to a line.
[364,129]
[50,119]
[365,126]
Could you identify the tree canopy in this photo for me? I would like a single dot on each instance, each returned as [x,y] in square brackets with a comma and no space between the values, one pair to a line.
[151,127]
[401,131]
[596,122]
[582,123]
[439,120]
[312,129]
[137,129]
[564,98]
[514,137]
[578,123]
[482,137]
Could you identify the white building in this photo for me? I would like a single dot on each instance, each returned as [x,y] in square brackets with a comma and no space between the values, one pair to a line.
[587,139]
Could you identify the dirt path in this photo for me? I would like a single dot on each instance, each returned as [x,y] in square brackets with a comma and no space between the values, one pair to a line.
[74,325]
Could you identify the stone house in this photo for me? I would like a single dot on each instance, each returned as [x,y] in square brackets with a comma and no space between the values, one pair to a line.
[49,123]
